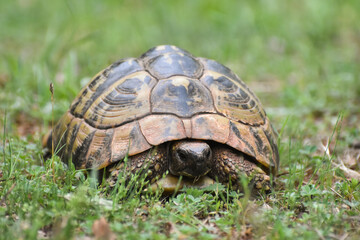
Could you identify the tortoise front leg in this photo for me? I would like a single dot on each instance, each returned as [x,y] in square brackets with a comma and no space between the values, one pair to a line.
[231,165]
[152,163]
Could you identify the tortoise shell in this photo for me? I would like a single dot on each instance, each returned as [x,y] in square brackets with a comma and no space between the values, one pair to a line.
[165,95]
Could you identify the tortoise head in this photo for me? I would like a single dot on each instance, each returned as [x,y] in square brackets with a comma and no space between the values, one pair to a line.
[190,158]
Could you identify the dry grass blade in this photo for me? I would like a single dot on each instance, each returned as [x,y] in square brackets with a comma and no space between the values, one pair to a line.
[349,173]
[51,88]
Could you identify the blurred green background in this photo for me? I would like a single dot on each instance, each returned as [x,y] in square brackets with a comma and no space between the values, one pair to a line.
[300,57]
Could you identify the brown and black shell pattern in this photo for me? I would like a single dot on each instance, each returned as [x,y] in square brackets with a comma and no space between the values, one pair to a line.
[167,94]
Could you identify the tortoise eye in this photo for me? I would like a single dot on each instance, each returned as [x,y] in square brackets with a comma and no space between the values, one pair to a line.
[182,155]
[208,154]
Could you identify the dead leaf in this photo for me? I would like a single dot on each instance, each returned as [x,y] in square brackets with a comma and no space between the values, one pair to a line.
[245,233]
[26,125]
[101,230]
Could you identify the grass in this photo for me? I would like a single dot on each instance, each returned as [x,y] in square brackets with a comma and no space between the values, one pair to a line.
[301,58]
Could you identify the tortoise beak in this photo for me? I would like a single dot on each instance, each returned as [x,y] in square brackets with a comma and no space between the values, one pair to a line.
[171,183]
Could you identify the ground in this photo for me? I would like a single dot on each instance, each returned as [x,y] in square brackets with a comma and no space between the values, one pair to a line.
[301,58]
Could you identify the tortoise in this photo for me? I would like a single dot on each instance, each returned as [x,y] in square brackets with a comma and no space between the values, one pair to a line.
[175,113]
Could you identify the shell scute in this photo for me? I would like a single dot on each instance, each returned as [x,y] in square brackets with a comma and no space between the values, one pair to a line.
[167,61]
[59,135]
[99,153]
[81,150]
[158,129]
[172,64]
[181,96]
[101,82]
[232,100]
[214,66]
[254,141]
[161,50]
[126,100]
[128,139]
[210,127]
